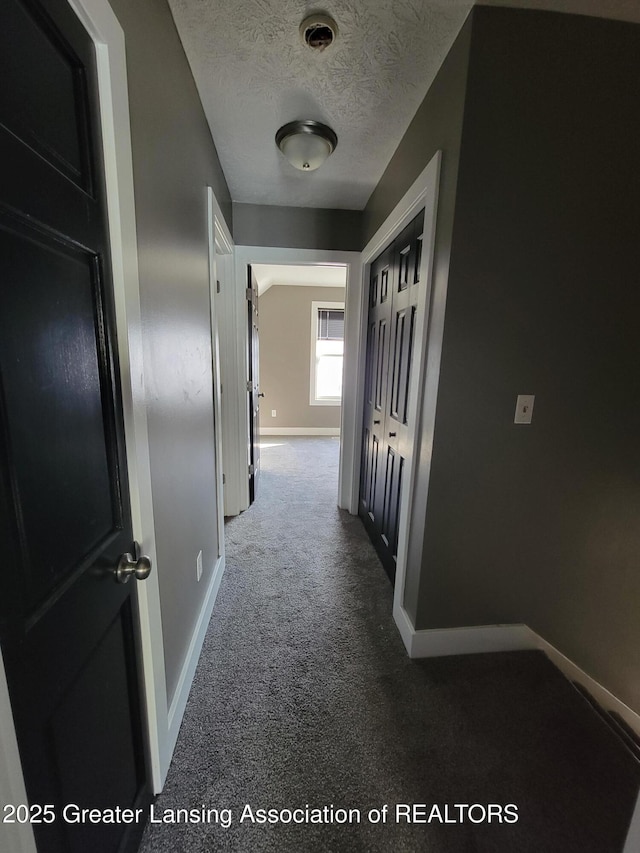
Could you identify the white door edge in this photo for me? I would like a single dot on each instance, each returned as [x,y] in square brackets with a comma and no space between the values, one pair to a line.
[220,244]
[425,367]
[103,26]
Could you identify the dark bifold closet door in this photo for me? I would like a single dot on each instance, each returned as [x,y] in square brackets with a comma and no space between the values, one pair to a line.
[393,299]
[67,626]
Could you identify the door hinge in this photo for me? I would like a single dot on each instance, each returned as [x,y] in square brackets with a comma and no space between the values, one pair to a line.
[249,385]
[251,470]
[224,479]
[249,294]
[217,286]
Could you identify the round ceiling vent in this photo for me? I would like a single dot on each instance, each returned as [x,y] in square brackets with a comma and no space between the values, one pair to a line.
[318,31]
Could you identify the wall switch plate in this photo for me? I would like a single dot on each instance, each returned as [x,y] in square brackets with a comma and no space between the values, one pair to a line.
[273,413]
[524,408]
[199,565]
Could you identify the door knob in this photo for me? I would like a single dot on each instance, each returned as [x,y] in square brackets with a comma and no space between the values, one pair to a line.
[376,422]
[261,394]
[392,435]
[128,565]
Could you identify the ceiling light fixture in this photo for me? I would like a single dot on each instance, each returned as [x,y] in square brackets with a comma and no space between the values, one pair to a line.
[306,144]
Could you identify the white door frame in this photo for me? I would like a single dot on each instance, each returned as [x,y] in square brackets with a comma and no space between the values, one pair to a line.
[220,274]
[237,357]
[104,28]
[220,246]
[233,396]
[425,366]
[102,25]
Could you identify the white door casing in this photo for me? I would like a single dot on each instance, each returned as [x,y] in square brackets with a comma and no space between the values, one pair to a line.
[161,723]
[103,27]
[236,349]
[220,246]
[424,373]
[425,366]
[220,276]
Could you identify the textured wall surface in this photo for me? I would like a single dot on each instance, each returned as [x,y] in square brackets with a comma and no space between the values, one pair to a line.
[541,524]
[297,227]
[173,161]
[285,357]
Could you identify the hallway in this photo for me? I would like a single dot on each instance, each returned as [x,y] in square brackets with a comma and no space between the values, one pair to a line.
[304,695]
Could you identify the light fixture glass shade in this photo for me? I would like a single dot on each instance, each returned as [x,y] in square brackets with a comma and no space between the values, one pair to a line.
[306,144]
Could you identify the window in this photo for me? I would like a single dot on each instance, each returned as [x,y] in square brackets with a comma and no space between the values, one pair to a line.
[327,351]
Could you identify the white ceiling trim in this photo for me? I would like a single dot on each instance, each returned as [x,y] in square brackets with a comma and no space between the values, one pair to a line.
[299,275]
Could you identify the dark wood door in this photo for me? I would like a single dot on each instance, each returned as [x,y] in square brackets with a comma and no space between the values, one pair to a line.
[253,387]
[393,300]
[67,626]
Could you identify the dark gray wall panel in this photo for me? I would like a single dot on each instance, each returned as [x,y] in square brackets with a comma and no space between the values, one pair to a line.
[297,227]
[541,523]
[173,161]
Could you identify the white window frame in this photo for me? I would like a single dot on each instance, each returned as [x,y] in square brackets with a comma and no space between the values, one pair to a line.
[315,307]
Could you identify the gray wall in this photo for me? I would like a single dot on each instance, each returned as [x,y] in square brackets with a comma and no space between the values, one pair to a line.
[437,126]
[297,227]
[541,523]
[285,356]
[173,160]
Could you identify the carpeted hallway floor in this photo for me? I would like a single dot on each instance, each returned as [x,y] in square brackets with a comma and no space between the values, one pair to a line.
[304,696]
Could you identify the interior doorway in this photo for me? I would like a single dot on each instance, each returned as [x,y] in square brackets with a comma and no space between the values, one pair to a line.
[299,362]
[278,273]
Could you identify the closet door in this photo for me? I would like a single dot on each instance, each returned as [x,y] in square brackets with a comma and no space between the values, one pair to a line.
[393,298]
[377,368]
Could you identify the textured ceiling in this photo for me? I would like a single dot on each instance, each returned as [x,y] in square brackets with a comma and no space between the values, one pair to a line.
[310,275]
[254,74]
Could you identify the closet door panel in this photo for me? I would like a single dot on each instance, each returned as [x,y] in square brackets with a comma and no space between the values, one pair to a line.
[393,299]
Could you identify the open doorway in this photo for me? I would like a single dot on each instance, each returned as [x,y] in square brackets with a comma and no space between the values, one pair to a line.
[295,358]
[301,331]
[309,405]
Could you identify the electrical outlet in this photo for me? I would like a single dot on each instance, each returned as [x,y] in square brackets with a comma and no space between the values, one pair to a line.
[524,408]
[273,413]
[199,565]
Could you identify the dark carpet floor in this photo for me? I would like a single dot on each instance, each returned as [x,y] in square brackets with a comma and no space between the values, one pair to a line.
[304,696]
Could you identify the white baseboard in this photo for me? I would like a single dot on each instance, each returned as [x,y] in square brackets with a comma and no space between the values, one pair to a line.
[466,641]
[603,697]
[632,844]
[299,430]
[405,626]
[179,701]
[438,642]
